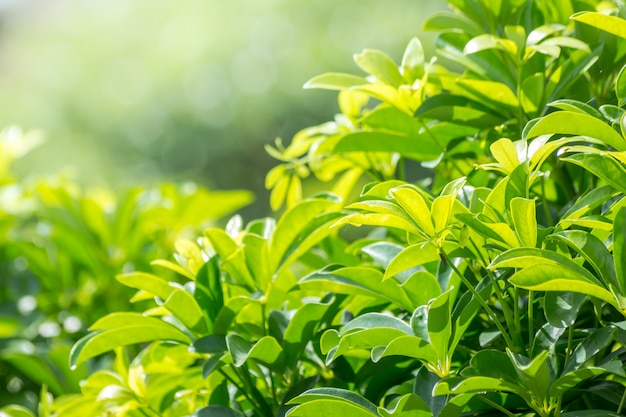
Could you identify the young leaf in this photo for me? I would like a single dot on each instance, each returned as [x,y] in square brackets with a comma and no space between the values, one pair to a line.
[335,81]
[413,61]
[524,220]
[380,65]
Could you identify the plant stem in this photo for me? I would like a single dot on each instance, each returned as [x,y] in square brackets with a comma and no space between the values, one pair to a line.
[263,406]
[441,147]
[570,340]
[621,403]
[512,322]
[496,406]
[482,302]
[531,318]
[544,201]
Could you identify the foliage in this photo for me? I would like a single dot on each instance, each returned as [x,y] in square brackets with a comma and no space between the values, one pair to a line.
[497,286]
[60,247]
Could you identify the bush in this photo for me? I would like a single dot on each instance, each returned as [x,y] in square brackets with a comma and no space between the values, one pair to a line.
[497,286]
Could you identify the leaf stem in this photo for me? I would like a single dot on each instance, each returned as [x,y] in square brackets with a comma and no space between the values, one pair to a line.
[621,403]
[496,406]
[511,321]
[480,300]
[531,319]
[441,147]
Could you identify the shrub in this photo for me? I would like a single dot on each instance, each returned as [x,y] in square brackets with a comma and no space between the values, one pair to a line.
[496,286]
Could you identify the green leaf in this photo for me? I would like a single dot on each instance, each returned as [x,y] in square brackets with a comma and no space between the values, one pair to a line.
[376,219]
[525,220]
[466,309]
[408,405]
[416,206]
[357,280]
[620,87]
[229,312]
[421,287]
[33,367]
[332,402]
[184,307]
[500,232]
[459,110]
[495,95]
[380,65]
[152,284]
[217,411]
[591,413]
[505,152]
[419,148]
[301,329]
[15,411]
[619,248]
[367,338]
[209,344]
[479,384]
[292,223]
[412,256]
[528,257]
[576,107]
[494,364]
[122,329]
[574,123]
[604,22]
[561,308]
[266,350]
[603,167]
[588,348]
[232,256]
[594,252]
[208,292]
[413,61]
[442,21]
[442,211]
[257,259]
[531,94]
[440,328]
[571,379]
[407,346]
[335,81]
[377,321]
[546,277]
[534,374]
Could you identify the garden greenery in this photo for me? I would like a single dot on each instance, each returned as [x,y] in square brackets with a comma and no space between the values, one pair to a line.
[495,286]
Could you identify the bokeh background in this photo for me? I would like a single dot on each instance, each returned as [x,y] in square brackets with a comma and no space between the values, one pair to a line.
[132,92]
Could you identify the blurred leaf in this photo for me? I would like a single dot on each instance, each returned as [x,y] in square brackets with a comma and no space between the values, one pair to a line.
[217,411]
[413,60]
[335,81]
[122,329]
[380,65]
[611,24]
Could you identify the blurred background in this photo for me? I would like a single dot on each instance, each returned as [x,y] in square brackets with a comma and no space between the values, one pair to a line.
[132,92]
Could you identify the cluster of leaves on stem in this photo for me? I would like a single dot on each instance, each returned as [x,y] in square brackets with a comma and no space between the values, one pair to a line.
[496,286]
